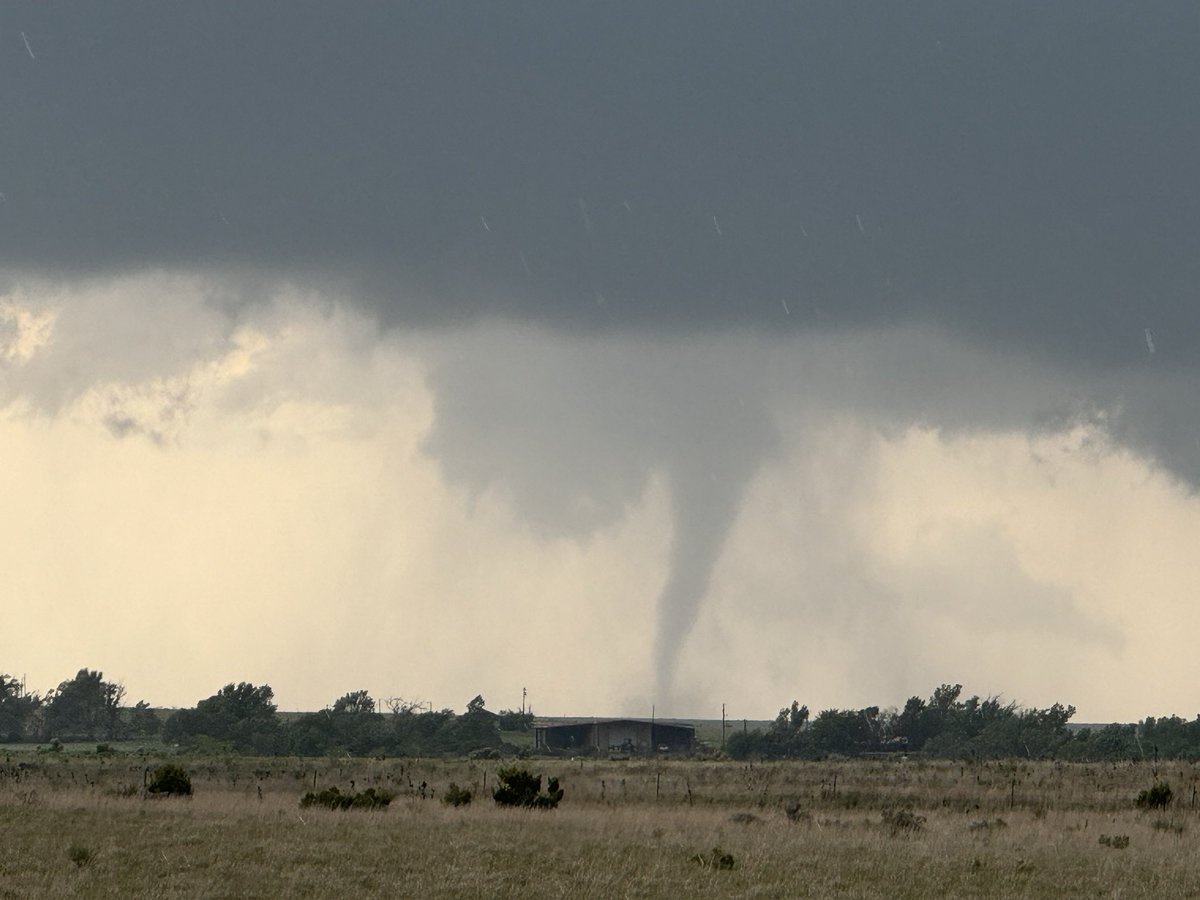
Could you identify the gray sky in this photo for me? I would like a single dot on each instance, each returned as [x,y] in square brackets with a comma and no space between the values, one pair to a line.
[592,281]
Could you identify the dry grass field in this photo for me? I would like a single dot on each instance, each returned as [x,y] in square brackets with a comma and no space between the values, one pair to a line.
[81,826]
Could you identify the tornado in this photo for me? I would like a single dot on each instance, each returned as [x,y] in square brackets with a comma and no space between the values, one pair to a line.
[708,481]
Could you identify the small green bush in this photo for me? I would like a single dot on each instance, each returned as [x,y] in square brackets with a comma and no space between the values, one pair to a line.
[332,798]
[172,780]
[456,796]
[519,787]
[80,855]
[1116,841]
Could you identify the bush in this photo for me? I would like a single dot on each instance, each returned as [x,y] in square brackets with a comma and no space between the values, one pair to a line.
[170,779]
[1157,797]
[1169,826]
[80,855]
[332,798]
[518,787]
[456,796]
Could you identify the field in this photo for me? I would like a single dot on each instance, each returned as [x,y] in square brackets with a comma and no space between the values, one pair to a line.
[80,825]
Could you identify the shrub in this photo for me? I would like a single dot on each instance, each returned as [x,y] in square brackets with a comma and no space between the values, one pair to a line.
[519,787]
[332,798]
[80,855]
[1157,797]
[170,779]
[371,799]
[456,796]
[1169,826]
[1116,841]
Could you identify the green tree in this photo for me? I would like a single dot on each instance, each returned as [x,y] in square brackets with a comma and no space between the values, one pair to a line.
[143,721]
[476,729]
[755,744]
[86,707]
[849,732]
[789,736]
[17,710]
[354,702]
[351,726]
[241,715]
[513,720]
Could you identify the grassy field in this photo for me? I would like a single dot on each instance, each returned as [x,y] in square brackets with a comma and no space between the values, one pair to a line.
[75,825]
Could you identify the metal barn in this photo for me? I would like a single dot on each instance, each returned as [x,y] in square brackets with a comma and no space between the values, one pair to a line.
[633,736]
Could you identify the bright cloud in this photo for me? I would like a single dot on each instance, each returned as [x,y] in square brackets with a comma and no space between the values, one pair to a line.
[288,494]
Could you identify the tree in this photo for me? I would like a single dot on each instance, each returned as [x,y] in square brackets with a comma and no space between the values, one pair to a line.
[351,726]
[512,720]
[403,706]
[16,709]
[143,721]
[241,715]
[750,745]
[848,732]
[476,728]
[788,737]
[788,734]
[86,707]
[911,724]
[353,703]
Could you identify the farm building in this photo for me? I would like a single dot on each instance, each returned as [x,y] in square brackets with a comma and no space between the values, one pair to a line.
[614,736]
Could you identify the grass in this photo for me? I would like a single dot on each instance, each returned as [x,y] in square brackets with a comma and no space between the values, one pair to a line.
[81,827]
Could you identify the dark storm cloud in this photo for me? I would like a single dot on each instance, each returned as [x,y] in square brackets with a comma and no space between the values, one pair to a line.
[1019,172]
[967,215]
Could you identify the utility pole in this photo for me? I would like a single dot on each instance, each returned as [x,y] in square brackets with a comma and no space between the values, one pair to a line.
[722,727]
[523,694]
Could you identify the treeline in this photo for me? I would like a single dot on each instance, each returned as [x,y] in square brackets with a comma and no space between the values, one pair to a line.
[243,718]
[948,727]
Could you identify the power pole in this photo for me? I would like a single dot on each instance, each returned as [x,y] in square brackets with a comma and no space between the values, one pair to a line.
[522,701]
[722,727]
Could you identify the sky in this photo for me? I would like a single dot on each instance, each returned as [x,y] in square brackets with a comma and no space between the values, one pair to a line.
[644,357]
